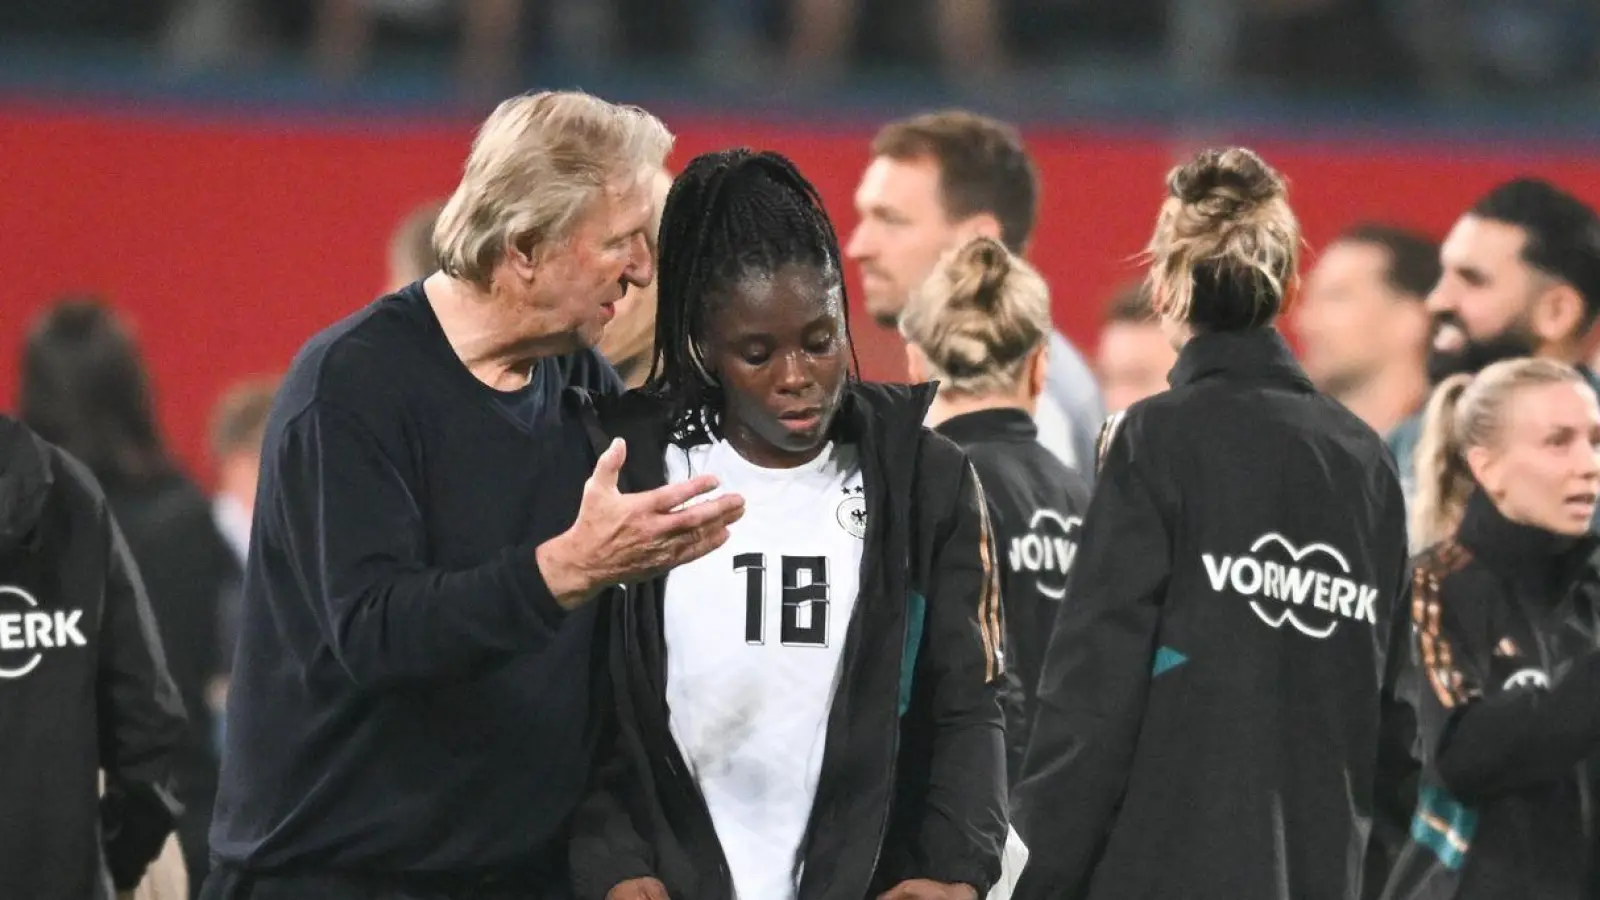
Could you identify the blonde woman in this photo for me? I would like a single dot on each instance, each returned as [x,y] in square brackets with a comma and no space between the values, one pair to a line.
[1211,731]
[979,327]
[1505,609]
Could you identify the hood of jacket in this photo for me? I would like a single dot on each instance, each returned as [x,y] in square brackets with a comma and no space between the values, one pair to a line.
[25,481]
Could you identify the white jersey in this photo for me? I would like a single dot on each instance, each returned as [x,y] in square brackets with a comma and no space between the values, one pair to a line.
[755,634]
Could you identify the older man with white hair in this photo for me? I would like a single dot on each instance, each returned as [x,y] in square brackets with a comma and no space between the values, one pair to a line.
[410,711]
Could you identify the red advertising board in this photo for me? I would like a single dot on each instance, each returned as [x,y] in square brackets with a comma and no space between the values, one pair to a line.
[228,241]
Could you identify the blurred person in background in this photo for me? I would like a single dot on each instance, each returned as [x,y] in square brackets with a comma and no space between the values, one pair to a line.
[85,388]
[629,341]
[978,327]
[1362,325]
[411,255]
[1520,277]
[410,711]
[1134,355]
[90,723]
[1213,729]
[1506,610]
[238,424]
[970,34]
[935,182]
[489,36]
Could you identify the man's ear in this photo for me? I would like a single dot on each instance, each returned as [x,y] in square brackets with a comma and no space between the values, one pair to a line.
[1557,314]
[981,225]
[522,255]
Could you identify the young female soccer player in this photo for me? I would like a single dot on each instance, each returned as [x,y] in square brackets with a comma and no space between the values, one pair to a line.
[978,327]
[1506,606]
[1230,633]
[810,711]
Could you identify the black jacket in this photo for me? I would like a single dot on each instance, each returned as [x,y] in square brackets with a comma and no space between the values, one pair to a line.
[1036,504]
[83,687]
[1227,644]
[912,782]
[1507,630]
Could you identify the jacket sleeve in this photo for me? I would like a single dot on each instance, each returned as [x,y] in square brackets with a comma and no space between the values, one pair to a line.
[1399,767]
[964,828]
[1095,682]
[142,722]
[356,543]
[1485,740]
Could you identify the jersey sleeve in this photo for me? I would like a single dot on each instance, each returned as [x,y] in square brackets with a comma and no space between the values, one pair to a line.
[142,721]
[1485,740]
[964,830]
[355,543]
[1096,679]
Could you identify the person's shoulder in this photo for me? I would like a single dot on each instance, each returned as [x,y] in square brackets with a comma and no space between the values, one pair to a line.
[363,360]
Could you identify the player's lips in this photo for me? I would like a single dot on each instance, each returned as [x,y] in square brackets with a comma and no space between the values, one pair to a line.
[801,419]
[609,311]
[1582,503]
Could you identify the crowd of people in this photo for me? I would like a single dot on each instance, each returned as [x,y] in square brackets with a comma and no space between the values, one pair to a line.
[583,564]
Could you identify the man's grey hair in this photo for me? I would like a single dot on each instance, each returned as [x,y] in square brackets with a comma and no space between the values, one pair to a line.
[537,164]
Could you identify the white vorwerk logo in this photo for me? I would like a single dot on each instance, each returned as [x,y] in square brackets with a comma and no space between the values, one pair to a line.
[1527,678]
[24,634]
[1048,550]
[1312,600]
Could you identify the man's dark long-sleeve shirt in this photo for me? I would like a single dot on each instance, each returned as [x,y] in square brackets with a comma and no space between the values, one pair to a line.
[407,696]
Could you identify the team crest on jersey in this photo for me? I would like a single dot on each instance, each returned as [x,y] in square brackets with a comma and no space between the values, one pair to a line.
[852,512]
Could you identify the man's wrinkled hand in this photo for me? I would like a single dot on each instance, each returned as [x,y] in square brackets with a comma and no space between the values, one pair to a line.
[923,889]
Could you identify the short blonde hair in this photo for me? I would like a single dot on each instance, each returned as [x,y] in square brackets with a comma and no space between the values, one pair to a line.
[1467,411]
[1226,248]
[537,163]
[978,317]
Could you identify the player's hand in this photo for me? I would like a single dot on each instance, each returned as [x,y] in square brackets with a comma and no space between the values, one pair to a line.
[923,889]
[638,889]
[633,537]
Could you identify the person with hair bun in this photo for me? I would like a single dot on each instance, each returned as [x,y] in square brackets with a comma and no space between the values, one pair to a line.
[1506,609]
[811,711]
[1230,641]
[979,327]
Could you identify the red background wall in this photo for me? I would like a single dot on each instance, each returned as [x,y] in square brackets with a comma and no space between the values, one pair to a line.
[228,241]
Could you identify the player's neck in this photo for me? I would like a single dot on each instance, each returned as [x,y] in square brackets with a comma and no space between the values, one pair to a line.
[1390,397]
[497,338]
[948,406]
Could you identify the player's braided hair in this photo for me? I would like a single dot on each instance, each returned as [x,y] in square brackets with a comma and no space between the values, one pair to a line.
[730,214]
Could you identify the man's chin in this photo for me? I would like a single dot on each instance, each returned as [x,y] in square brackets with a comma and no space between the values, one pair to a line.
[1476,356]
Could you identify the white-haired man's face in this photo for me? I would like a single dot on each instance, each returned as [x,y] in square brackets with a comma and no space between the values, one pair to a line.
[574,285]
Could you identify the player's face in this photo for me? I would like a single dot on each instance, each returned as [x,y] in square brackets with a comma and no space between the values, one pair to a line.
[608,251]
[777,345]
[1481,305]
[1134,359]
[1544,469]
[903,231]
[1350,321]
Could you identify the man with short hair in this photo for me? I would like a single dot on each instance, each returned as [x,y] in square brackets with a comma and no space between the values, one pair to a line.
[1521,277]
[1134,356]
[410,712]
[935,182]
[1362,325]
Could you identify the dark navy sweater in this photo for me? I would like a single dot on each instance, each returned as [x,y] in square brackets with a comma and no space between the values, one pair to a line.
[407,696]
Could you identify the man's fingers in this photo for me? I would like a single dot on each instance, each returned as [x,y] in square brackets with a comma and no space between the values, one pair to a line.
[609,464]
[655,890]
[668,498]
[717,513]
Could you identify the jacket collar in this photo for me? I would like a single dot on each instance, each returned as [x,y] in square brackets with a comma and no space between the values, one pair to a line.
[1004,425]
[25,481]
[1527,556]
[1258,354]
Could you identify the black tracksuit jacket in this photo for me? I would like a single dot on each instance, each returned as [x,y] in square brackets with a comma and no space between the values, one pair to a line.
[912,782]
[1227,646]
[1507,630]
[83,688]
[1036,504]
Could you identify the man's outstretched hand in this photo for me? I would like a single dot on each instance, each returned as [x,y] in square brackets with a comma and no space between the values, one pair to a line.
[620,538]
